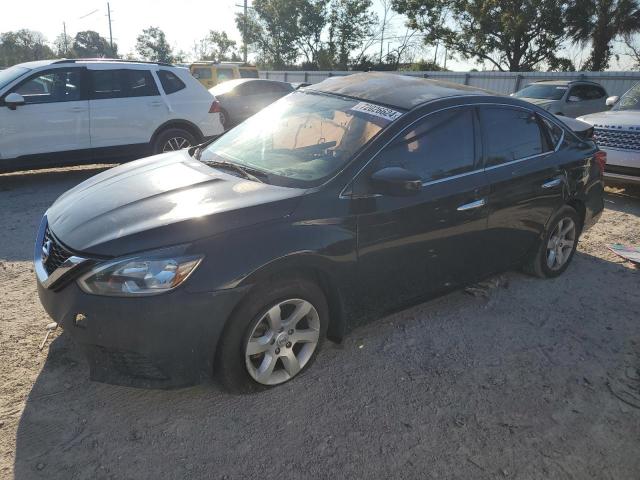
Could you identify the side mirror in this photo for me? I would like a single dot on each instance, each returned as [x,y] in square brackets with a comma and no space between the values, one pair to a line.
[612,100]
[13,100]
[396,181]
[573,98]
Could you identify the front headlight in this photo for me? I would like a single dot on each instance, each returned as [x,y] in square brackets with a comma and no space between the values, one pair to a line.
[149,274]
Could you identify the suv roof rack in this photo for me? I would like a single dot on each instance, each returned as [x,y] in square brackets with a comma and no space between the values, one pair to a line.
[211,62]
[113,60]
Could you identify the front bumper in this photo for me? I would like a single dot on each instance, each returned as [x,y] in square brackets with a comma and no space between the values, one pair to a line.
[162,341]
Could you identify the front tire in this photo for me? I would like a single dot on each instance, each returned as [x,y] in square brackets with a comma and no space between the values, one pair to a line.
[558,245]
[273,336]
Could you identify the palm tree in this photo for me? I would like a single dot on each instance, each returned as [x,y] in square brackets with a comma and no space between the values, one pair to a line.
[600,22]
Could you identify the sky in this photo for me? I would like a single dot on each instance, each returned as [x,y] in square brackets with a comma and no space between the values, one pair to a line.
[184,22]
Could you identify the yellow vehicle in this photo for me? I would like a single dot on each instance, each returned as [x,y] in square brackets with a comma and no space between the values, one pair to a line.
[210,74]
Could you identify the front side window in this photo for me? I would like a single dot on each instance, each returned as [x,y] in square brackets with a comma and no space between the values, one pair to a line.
[59,85]
[302,139]
[122,83]
[579,93]
[510,134]
[441,145]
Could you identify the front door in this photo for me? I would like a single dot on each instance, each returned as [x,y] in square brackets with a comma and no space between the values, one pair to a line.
[54,117]
[411,246]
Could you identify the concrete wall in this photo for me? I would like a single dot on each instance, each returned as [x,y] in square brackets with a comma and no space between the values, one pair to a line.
[616,83]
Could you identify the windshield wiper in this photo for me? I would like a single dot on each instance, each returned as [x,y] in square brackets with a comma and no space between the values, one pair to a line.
[246,172]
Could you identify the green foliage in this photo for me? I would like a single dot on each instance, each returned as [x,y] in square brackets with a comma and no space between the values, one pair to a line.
[508,34]
[23,46]
[350,23]
[152,45]
[89,44]
[601,22]
[217,47]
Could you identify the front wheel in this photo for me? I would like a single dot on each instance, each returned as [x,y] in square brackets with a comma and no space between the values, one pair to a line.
[273,336]
[173,139]
[558,245]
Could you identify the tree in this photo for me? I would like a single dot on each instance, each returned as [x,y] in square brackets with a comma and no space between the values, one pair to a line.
[350,23]
[600,22]
[89,44]
[313,21]
[508,34]
[152,45]
[23,46]
[273,29]
[63,46]
[217,47]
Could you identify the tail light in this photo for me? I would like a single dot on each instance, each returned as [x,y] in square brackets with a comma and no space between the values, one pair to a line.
[215,107]
[601,160]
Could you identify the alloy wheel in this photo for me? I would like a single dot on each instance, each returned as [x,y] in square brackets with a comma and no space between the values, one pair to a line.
[175,143]
[282,341]
[561,243]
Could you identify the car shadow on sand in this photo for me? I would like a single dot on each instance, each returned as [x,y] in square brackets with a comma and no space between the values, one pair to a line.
[341,414]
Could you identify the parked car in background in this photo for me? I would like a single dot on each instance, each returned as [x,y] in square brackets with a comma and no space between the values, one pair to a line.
[336,204]
[61,112]
[568,98]
[617,132]
[239,99]
[211,74]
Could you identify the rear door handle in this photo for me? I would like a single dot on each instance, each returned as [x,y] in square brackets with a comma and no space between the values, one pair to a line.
[78,109]
[552,183]
[470,206]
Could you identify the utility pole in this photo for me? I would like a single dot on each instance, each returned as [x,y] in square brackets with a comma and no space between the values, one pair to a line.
[110,33]
[384,23]
[64,33]
[244,34]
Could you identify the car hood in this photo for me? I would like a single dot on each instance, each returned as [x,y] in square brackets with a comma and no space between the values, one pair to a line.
[160,201]
[541,102]
[623,119]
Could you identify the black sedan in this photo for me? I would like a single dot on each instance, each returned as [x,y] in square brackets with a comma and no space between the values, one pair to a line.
[243,97]
[334,205]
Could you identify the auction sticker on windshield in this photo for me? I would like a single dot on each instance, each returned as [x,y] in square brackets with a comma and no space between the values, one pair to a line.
[377,111]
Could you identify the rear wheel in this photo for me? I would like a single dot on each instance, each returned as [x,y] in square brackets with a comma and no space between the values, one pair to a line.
[558,245]
[273,336]
[173,139]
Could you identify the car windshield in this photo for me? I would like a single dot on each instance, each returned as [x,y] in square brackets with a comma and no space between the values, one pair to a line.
[8,75]
[302,139]
[630,100]
[542,92]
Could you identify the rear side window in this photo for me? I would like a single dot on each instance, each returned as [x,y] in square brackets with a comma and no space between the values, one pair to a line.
[224,74]
[204,73]
[170,81]
[510,134]
[441,145]
[248,73]
[122,83]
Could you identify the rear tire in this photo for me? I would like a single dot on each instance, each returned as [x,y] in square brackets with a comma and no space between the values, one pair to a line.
[173,139]
[558,245]
[288,350]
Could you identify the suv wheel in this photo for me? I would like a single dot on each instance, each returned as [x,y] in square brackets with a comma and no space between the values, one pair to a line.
[558,245]
[273,336]
[173,139]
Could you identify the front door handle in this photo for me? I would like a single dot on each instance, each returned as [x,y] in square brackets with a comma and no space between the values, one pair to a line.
[470,206]
[552,183]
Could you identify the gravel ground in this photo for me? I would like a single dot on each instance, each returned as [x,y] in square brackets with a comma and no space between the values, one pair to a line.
[525,379]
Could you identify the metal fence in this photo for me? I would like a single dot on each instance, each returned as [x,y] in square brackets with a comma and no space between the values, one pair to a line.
[616,83]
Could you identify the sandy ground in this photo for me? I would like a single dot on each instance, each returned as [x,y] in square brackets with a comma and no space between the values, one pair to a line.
[534,380]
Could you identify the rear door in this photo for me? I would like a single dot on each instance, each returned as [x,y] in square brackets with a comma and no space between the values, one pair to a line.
[410,246]
[126,106]
[54,117]
[526,183]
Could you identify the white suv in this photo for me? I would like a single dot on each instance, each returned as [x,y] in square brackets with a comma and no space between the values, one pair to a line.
[60,112]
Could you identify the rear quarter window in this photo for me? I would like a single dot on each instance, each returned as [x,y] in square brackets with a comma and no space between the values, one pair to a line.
[170,82]
[510,134]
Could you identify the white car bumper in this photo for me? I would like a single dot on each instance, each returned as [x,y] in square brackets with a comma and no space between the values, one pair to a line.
[623,166]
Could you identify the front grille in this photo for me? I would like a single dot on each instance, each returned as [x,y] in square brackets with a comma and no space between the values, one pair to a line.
[621,139]
[57,253]
[134,365]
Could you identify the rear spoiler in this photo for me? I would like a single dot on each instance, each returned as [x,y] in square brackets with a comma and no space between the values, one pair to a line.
[580,128]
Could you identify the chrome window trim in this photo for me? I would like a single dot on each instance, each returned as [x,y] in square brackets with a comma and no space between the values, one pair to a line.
[48,281]
[454,177]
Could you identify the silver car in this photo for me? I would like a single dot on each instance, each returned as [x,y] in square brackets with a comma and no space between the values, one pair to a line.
[567,98]
[617,132]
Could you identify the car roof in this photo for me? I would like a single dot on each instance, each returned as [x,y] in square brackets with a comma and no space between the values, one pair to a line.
[392,89]
[93,61]
[564,82]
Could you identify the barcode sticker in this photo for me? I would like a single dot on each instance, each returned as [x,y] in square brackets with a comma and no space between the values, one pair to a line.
[377,111]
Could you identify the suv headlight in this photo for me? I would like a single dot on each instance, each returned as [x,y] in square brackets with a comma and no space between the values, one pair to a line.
[149,274]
